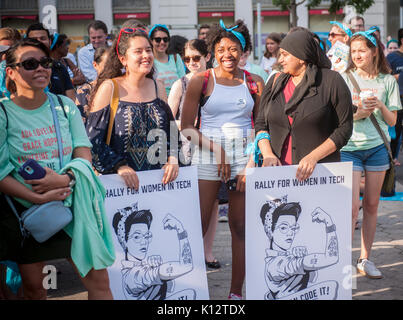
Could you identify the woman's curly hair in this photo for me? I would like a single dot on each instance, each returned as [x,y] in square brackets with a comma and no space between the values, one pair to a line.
[217,33]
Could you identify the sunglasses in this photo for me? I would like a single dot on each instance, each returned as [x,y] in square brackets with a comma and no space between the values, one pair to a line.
[127,31]
[159,39]
[332,35]
[33,64]
[194,58]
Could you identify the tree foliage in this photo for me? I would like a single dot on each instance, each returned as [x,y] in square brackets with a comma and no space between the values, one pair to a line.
[291,5]
[360,5]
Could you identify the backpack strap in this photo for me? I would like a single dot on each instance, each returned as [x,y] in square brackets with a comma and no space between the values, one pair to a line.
[5,113]
[203,94]
[61,104]
[252,85]
[205,81]
[114,108]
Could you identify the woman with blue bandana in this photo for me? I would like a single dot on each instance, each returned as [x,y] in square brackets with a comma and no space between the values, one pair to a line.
[339,36]
[169,67]
[374,91]
[339,32]
[226,110]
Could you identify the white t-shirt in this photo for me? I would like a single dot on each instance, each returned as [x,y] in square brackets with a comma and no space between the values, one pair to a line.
[267,63]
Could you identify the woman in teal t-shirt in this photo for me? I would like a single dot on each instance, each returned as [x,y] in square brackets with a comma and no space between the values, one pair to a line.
[27,132]
[169,67]
[366,148]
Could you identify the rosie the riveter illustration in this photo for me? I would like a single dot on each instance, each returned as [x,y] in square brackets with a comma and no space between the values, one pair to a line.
[149,278]
[290,269]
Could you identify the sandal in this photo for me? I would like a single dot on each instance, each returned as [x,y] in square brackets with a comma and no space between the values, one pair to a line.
[215,264]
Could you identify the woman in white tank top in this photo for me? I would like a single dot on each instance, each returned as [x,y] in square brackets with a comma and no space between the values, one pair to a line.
[225,126]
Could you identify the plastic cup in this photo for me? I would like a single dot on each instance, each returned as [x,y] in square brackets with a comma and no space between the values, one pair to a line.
[364,95]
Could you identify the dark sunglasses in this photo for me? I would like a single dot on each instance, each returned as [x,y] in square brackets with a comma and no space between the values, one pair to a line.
[128,31]
[334,35]
[194,58]
[33,64]
[158,39]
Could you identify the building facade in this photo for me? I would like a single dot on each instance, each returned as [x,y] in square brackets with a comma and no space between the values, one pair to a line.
[183,16]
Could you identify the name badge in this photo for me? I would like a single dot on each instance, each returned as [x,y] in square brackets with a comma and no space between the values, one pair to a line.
[241,103]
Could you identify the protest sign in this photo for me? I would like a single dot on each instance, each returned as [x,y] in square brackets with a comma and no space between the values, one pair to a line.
[298,233]
[338,55]
[157,236]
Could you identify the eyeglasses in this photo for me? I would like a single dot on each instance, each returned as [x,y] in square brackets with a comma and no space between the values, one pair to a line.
[138,237]
[33,64]
[159,39]
[285,228]
[194,58]
[128,31]
[332,35]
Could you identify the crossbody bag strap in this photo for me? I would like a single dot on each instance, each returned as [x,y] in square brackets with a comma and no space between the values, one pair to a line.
[382,134]
[114,108]
[24,232]
[372,117]
[354,82]
[61,104]
[57,128]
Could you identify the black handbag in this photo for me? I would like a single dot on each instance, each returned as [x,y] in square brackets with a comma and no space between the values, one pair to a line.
[388,186]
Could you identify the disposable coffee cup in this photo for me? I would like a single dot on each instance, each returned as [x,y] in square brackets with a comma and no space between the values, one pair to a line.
[364,95]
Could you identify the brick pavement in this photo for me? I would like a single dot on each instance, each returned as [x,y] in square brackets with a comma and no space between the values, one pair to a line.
[387,254]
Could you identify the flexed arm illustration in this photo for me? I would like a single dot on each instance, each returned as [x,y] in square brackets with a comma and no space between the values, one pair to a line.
[174,269]
[330,257]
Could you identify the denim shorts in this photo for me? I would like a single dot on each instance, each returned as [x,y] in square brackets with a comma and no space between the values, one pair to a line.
[207,165]
[374,159]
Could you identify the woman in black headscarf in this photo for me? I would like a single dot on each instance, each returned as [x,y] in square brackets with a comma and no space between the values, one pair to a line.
[306,111]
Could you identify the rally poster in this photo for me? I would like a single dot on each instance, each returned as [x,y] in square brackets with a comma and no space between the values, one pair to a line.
[298,233]
[157,237]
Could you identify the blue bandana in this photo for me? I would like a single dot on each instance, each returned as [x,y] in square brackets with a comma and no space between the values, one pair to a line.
[342,27]
[3,90]
[376,28]
[155,26]
[55,37]
[237,34]
[367,34]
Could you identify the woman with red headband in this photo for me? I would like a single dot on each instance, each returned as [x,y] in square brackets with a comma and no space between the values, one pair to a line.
[119,131]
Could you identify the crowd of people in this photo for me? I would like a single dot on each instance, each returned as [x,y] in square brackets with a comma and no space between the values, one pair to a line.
[303,108]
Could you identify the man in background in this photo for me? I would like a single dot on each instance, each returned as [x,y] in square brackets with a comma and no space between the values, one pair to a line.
[98,33]
[357,23]
[395,60]
[203,31]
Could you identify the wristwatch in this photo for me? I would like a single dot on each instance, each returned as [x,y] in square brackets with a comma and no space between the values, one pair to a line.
[72,179]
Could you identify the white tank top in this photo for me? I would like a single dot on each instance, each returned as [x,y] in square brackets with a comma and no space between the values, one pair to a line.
[228,110]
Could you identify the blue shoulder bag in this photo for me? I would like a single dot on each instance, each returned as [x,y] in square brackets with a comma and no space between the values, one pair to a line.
[45,220]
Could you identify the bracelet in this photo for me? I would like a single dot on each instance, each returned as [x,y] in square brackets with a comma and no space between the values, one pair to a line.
[72,178]
[257,152]
[330,229]
[182,235]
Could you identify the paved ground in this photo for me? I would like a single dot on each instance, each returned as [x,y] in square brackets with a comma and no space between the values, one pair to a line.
[387,255]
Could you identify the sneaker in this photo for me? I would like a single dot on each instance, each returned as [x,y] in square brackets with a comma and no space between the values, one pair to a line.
[234,296]
[223,212]
[367,268]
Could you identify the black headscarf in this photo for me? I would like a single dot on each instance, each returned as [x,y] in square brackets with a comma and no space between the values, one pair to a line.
[302,45]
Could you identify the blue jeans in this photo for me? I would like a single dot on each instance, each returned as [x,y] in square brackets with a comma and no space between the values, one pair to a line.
[374,159]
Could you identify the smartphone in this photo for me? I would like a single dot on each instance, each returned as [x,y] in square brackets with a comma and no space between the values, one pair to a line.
[31,170]
[231,184]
